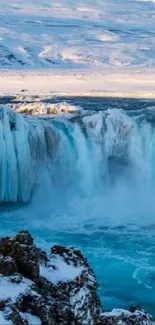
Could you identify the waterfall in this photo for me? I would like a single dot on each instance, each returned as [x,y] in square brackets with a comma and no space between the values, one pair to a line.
[84,153]
[105,146]
[24,143]
[89,181]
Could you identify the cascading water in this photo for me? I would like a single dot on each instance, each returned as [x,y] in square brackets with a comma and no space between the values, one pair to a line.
[89,181]
[99,148]
[23,145]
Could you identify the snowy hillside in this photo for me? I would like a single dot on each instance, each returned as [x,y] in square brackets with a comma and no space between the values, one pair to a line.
[77,34]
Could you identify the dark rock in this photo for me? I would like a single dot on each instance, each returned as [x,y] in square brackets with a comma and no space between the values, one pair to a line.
[75,298]
[71,255]
[7,265]
[25,254]
[14,315]
[59,290]
[62,301]
[3,303]
[23,237]
[134,308]
[38,306]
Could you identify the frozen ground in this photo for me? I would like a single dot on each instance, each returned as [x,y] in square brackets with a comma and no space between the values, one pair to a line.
[116,83]
[97,47]
[77,34]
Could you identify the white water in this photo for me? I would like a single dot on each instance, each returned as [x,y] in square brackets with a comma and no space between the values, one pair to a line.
[23,145]
[87,152]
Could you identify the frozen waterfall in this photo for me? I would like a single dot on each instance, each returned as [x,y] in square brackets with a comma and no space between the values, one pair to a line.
[24,143]
[85,152]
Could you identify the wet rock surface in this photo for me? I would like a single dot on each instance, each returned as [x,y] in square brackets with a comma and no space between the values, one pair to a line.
[50,290]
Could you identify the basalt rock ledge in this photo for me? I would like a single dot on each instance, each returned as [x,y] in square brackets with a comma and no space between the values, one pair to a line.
[55,289]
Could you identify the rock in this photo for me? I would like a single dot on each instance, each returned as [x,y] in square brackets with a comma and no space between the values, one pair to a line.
[77,296]
[60,289]
[124,317]
[13,314]
[7,265]
[26,256]
[134,308]
[38,305]
[24,238]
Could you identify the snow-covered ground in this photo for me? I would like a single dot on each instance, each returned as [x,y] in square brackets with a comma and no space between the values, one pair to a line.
[85,46]
[117,83]
[77,34]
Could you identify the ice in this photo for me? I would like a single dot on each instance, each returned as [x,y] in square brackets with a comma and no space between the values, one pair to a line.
[17,174]
[23,144]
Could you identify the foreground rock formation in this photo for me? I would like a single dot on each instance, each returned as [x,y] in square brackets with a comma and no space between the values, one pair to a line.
[60,289]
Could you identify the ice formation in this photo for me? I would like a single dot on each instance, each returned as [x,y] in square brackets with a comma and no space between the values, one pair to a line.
[86,150]
[23,144]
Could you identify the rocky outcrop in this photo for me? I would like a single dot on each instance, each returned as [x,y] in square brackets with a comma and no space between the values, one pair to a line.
[39,107]
[135,316]
[59,289]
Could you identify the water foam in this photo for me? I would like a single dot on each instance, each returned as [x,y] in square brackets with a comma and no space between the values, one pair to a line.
[86,152]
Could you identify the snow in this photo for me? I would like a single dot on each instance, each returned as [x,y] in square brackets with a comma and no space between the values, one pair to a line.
[122,83]
[94,121]
[34,320]
[125,313]
[117,313]
[4,321]
[78,47]
[77,34]
[43,108]
[80,299]
[10,289]
[61,271]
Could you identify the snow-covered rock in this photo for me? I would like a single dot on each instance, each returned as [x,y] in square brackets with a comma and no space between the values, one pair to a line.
[45,108]
[55,289]
[60,289]
[123,317]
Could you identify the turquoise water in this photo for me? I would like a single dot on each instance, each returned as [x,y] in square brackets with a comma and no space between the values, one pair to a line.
[100,198]
[118,241]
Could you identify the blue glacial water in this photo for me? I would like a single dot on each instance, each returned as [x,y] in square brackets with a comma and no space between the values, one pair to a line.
[100,197]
